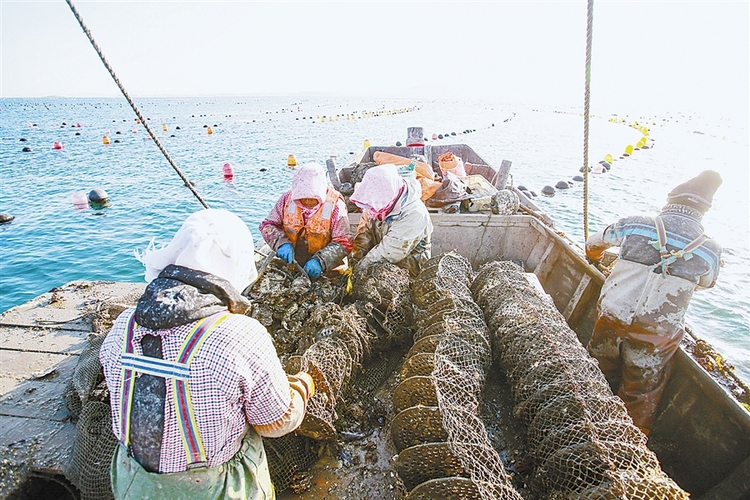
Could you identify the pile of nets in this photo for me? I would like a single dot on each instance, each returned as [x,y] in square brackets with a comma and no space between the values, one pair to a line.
[580,437]
[344,341]
[444,449]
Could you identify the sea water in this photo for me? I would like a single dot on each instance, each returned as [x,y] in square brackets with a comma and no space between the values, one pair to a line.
[51,241]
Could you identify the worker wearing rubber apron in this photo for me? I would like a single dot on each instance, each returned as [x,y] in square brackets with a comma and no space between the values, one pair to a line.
[395,225]
[194,383]
[662,261]
[309,223]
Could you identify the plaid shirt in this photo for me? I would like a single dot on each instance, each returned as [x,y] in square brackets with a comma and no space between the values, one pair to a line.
[236,379]
[272,228]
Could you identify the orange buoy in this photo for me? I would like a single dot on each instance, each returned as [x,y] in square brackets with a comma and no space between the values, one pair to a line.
[209,130]
[366,144]
[105,140]
[291,161]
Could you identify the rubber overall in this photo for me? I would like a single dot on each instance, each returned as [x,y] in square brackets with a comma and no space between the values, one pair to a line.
[244,476]
[641,309]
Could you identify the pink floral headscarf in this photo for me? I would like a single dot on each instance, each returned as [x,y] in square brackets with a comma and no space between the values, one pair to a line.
[379,189]
[310,181]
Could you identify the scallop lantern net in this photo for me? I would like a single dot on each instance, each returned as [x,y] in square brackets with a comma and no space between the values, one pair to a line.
[581,439]
[444,447]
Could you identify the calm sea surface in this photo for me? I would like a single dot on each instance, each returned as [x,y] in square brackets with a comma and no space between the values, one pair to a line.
[51,242]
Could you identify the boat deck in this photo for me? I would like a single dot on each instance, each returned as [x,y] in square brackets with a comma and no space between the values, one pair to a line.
[40,342]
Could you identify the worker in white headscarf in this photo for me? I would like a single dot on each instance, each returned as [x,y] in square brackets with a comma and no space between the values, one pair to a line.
[395,225]
[309,223]
[194,383]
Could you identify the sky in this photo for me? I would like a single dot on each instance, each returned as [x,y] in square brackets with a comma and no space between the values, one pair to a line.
[648,56]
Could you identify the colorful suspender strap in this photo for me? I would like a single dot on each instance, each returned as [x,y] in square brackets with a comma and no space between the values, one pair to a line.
[127,381]
[179,373]
[668,257]
[186,421]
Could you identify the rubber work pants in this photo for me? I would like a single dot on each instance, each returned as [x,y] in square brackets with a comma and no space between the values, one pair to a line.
[244,476]
[636,363]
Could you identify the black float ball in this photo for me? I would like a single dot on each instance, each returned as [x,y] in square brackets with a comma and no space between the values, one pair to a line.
[548,191]
[98,197]
[561,185]
[5,217]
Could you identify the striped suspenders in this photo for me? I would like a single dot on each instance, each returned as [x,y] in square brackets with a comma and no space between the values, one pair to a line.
[667,256]
[178,372]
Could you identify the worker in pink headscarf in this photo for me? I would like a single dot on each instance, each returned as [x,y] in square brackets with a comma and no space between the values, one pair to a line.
[395,225]
[309,223]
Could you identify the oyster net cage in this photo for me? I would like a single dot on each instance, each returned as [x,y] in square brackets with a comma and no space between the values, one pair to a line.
[345,341]
[581,439]
[444,448]
[87,399]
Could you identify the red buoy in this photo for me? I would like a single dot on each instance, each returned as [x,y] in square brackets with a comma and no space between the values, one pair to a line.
[228,172]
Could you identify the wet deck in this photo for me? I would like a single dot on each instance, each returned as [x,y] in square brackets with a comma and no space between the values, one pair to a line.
[40,342]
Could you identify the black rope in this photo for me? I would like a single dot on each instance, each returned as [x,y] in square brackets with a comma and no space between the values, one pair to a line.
[132,104]
[589,36]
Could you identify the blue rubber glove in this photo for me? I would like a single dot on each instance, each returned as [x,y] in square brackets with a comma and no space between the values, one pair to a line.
[313,268]
[286,252]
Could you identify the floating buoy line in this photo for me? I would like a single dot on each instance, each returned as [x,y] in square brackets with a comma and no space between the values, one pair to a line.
[137,111]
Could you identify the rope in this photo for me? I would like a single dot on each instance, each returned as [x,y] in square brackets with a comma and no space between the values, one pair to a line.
[132,104]
[589,36]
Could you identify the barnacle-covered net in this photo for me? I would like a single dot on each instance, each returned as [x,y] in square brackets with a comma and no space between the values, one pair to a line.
[387,288]
[344,341]
[444,447]
[288,456]
[87,399]
[583,443]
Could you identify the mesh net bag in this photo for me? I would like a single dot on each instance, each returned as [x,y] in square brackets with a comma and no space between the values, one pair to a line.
[86,377]
[87,400]
[288,456]
[344,341]
[438,420]
[93,449]
[581,439]
[387,287]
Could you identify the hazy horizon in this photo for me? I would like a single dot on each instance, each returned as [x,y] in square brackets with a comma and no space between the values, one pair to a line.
[681,56]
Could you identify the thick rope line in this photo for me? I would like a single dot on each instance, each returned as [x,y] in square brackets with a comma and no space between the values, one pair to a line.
[589,36]
[132,104]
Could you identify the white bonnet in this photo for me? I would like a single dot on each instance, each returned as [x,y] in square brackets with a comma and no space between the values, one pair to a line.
[214,241]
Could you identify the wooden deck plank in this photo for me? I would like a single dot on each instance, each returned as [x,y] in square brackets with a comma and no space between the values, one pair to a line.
[33,399]
[42,445]
[71,304]
[19,365]
[44,340]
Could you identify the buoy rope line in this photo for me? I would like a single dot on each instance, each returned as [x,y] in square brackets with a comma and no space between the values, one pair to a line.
[587,91]
[132,104]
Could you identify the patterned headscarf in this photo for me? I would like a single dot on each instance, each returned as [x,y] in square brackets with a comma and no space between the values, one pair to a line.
[379,189]
[214,241]
[310,181]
